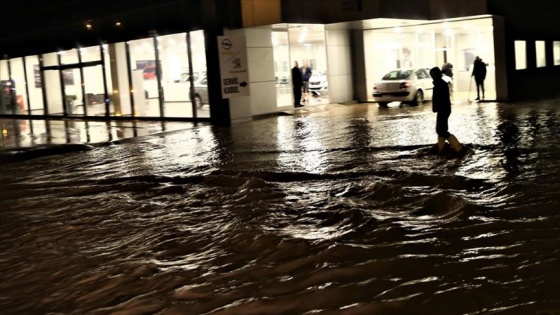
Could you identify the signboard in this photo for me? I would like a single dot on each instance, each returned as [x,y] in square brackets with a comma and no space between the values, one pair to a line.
[233,66]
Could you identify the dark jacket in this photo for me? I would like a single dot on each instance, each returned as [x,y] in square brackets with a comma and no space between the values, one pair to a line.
[307,74]
[479,70]
[441,103]
[447,69]
[296,77]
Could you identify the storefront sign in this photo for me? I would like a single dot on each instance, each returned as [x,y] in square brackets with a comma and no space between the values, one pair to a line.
[233,66]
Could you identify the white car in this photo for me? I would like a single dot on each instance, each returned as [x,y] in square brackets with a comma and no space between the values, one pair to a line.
[201,92]
[318,84]
[404,85]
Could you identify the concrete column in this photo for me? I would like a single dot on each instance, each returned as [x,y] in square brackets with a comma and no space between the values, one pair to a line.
[260,55]
[500,59]
[339,56]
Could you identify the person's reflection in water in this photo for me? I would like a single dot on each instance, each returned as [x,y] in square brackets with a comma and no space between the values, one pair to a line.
[46,137]
[508,133]
[88,136]
[109,132]
[360,134]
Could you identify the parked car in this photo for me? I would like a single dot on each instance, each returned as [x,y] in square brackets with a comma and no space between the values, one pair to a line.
[404,85]
[149,72]
[201,92]
[318,84]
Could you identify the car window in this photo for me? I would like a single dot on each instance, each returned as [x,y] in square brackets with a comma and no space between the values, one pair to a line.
[397,75]
[421,74]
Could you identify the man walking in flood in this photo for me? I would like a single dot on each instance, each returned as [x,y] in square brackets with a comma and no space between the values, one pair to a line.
[441,104]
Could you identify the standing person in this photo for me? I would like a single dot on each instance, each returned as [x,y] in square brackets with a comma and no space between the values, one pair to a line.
[305,75]
[479,73]
[447,69]
[297,83]
[8,102]
[441,104]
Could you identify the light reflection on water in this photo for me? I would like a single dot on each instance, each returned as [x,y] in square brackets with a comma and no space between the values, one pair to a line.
[341,211]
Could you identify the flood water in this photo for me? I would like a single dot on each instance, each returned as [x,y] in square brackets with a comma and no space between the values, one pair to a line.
[340,210]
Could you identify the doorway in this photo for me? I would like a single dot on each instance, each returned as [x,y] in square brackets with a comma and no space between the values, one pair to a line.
[305,44]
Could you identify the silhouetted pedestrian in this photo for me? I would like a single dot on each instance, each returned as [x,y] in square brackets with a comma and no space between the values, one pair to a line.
[305,75]
[8,102]
[297,84]
[479,74]
[441,104]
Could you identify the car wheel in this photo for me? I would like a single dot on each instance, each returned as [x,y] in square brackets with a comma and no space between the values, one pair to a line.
[418,98]
[383,104]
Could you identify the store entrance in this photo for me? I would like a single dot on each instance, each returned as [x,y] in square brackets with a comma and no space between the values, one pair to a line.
[305,44]
[65,90]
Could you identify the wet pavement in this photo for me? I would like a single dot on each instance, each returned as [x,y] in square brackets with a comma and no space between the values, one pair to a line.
[30,138]
[336,209]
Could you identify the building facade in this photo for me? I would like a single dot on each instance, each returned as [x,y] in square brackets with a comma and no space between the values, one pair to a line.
[161,60]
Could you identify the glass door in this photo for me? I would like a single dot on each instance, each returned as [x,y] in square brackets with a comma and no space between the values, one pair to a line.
[282,68]
[73,91]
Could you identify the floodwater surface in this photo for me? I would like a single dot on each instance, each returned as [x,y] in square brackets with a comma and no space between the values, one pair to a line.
[338,210]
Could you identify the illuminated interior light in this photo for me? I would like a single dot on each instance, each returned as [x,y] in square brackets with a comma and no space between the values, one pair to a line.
[118,24]
[302,35]
[88,26]
[398,30]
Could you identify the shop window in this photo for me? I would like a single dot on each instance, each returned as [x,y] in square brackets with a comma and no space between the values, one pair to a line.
[19,85]
[34,85]
[4,70]
[541,53]
[556,50]
[198,51]
[175,74]
[144,79]
[457,43]
[94,85]
[520,55]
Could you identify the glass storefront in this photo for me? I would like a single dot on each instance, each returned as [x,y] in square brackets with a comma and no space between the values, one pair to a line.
[121,79]
[144,77]
[417,45]
[176,75]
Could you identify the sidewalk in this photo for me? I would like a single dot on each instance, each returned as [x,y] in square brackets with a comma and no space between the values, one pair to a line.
[25,134]
[20,138]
